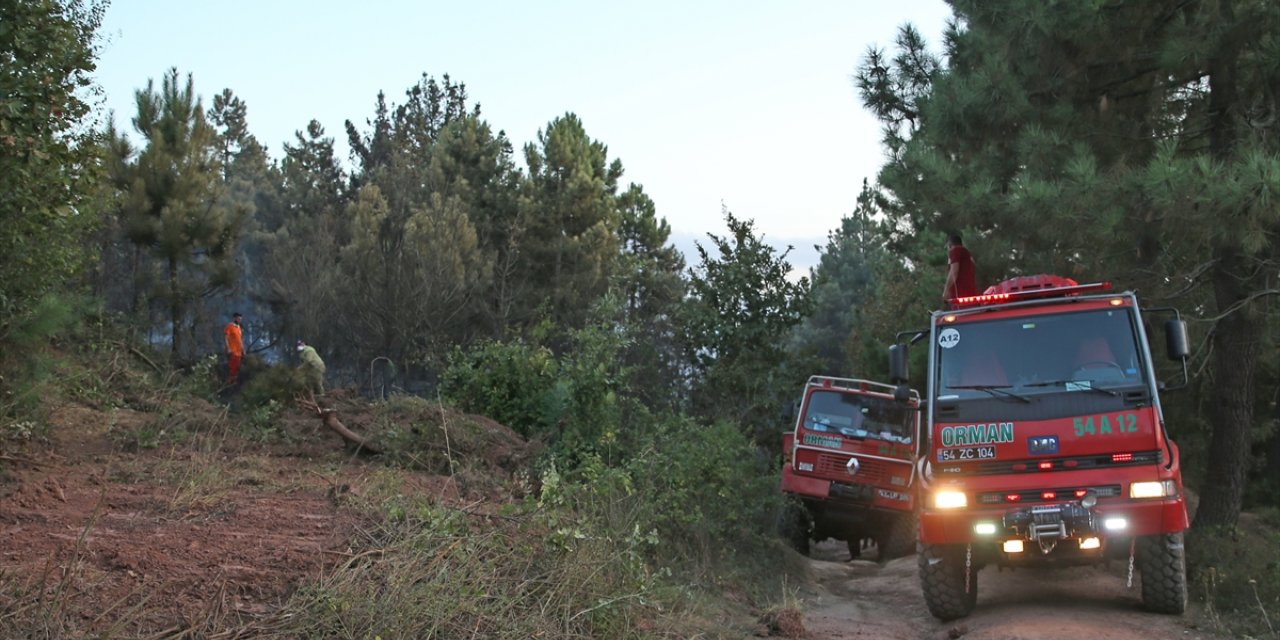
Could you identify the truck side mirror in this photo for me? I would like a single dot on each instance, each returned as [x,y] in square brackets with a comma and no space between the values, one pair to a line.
[1176,340]
[902,393]
[898,364]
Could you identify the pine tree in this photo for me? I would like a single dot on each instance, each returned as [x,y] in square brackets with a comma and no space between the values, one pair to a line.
[845,288]
[572,221]
[650,280]
[1131,136]
[173,202]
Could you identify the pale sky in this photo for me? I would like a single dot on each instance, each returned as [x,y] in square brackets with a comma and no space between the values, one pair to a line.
[748,103]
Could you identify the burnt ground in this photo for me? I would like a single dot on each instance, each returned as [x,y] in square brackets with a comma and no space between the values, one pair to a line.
[110,528]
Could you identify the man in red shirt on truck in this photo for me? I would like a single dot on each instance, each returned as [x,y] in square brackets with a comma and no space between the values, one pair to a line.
[961,280]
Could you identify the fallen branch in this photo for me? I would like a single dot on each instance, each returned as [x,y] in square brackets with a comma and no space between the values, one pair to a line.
[330,419]
[142,356]
[17,459]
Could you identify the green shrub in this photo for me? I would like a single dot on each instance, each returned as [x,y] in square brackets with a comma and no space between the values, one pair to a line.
[707,489]
[572,402]
[1235,572]
[277,383]
[703,494]
[25,367]
[511,382]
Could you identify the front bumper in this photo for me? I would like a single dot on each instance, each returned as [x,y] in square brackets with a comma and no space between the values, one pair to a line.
[1062,520]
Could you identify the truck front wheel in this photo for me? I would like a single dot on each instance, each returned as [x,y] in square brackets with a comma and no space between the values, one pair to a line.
[899,537]
[942,574]
[794,524]
[1162,560]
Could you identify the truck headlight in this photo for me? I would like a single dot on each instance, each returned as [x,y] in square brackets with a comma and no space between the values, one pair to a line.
[949,499]
[1159,489]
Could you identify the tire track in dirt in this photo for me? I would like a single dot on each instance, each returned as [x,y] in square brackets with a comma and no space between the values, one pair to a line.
[863,600]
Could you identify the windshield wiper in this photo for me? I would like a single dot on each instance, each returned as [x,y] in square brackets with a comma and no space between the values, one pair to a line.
[1079,386]
[994,390]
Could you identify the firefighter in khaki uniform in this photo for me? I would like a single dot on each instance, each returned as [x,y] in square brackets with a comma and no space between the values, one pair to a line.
[312,367]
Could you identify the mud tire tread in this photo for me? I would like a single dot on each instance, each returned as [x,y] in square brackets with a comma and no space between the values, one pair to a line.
[900,537]
[942,578]
[1162,562]
[794,524]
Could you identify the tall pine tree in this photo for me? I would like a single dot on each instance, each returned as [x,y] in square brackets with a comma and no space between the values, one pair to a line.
[173,202]
[1131,141]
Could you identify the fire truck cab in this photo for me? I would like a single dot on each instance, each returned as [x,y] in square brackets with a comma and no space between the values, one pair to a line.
[849,467]
[1046,440]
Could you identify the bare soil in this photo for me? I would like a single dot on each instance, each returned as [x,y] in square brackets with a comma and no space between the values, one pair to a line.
[98,537]
[861,599]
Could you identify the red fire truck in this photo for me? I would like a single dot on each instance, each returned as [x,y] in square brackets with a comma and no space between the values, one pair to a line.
[1046,440]
[849,466]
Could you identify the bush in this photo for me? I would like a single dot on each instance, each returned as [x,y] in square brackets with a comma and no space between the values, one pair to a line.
[1236,574]
[511,382]
[571,402]
[277,383]
[706,489]
[25,366]
[702,494]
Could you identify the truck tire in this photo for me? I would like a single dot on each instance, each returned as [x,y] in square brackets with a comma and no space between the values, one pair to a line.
[898,537]
[1162,561]
[942,577]
[794,524]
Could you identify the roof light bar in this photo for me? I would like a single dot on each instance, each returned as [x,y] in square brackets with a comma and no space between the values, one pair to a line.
[1010,296]
[967,301]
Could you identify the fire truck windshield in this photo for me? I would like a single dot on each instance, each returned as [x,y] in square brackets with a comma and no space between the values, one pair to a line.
[1086,351]
[858,416]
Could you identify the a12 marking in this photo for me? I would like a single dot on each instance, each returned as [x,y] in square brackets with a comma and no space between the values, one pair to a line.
[1105,425]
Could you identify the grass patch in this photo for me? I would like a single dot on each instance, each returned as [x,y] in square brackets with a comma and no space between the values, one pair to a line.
[431,570]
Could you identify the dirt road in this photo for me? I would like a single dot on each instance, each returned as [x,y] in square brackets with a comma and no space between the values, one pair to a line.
[862,599]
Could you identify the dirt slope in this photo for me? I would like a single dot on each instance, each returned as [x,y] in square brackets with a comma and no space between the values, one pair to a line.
[861,599]
[100,537]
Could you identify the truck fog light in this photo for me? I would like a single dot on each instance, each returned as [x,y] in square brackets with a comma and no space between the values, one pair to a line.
[984,528]
[1090,543]
[806,466]
[946,499]
[1013,546]
[1115,524]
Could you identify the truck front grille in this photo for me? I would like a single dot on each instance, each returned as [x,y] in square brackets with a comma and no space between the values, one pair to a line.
[1072,463]
[874,472]
[1048,494]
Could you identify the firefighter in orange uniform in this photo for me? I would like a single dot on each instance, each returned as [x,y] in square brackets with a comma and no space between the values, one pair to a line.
[235,348]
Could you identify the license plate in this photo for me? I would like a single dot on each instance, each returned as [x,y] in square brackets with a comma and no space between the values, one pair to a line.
[967,453]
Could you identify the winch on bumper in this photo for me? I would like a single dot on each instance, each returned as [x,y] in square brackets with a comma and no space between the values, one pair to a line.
[1046,525]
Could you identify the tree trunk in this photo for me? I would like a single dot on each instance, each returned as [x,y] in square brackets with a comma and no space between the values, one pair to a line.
[1236,345]
[175,312]
[1237,336]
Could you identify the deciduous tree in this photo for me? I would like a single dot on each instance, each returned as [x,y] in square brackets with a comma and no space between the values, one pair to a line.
[742,308]
[48,150]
